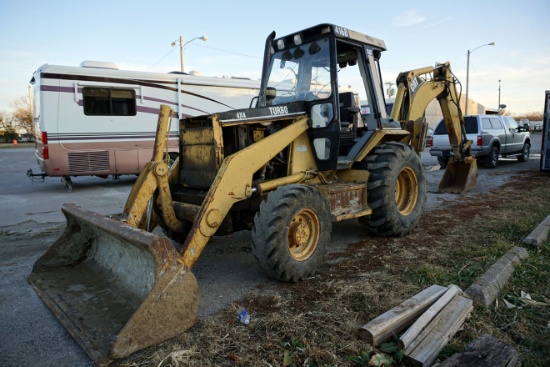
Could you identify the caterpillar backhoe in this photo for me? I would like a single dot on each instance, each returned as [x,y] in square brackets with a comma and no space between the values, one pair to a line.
[315,147]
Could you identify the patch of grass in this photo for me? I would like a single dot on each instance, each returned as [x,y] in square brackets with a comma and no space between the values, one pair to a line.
[528,323]
[428,274]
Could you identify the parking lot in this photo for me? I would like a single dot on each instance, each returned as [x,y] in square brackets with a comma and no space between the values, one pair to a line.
[32,220]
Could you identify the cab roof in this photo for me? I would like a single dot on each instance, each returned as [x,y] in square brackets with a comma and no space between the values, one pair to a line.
[339,32]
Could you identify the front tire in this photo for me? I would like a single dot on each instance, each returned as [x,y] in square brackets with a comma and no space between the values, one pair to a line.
[524,156]
[291,232]
[396,190]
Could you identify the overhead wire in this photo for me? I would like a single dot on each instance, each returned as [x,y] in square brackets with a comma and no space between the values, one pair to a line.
[162,58]
[212,48]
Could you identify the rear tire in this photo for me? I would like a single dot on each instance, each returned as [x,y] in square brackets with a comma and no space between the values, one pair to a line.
[291,232]
[492,158]
[396,190]
[524,156]
[443,162]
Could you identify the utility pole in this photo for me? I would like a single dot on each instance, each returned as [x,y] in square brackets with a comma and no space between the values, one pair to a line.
[181,53]
[182,45]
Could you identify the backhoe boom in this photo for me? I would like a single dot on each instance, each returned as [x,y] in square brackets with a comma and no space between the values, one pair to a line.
[416,89]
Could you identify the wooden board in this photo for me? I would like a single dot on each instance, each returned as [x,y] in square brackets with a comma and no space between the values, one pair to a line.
[398,318]
[423,321]
[425,348]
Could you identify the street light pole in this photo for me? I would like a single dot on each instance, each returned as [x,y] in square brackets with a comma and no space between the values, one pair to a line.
[468,72]
[182,45]
[498,108]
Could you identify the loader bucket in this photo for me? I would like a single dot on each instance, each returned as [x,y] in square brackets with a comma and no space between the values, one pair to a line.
[115,288]
[459,177]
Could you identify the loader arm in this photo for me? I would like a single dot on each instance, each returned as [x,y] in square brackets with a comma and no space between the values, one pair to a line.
[416,89]
[233,183]
[155,175]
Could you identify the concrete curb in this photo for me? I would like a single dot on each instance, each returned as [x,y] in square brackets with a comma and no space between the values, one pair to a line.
[539,234]
[485,289]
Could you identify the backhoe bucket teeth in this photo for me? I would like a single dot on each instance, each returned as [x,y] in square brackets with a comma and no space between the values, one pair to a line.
[459,177]
[115,288]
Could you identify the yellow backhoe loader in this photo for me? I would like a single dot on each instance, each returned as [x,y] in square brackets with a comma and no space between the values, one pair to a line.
[315,147]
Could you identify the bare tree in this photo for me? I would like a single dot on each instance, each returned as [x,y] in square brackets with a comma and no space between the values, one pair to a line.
[531,116]
[22,114]
[8,131]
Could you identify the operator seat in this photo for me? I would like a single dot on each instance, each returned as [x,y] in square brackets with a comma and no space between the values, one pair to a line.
[348,119]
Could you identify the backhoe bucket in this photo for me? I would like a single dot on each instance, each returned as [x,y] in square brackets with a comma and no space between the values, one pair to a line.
[459,177]
[115,288]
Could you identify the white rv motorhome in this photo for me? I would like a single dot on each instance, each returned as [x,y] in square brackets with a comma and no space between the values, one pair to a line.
[98,120]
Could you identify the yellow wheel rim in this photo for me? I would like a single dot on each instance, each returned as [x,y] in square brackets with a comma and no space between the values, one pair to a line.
[303,234]
[406,191]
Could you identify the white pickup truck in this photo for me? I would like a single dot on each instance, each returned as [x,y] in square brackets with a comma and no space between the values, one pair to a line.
[491,136]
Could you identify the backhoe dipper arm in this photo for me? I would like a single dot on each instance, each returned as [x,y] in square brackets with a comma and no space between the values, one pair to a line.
[416,89]
[233,183]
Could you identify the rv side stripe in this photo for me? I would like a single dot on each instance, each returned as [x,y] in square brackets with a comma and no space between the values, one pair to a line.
[51,88]
[151,84]
[88,137]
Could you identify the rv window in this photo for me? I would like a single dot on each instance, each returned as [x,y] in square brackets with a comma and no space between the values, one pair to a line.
[109,102]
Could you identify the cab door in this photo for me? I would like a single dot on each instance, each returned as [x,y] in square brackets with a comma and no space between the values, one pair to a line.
[515,138]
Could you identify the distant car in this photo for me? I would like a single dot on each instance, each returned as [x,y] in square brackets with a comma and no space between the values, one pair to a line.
[491,136]
[524,123]
[535,125]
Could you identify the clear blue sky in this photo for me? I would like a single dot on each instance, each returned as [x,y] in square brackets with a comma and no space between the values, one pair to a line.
[136,35]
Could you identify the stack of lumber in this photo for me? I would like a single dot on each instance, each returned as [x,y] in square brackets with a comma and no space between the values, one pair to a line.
[431,318]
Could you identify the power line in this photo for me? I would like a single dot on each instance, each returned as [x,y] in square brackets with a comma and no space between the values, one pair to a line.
[212,48]
[165,56]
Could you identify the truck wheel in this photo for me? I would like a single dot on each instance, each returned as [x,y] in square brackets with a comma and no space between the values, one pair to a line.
[524,156]
[443,162]
[492,159]
[291,232]
[396,189]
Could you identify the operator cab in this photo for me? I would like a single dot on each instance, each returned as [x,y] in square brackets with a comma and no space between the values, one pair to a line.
[332,72]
